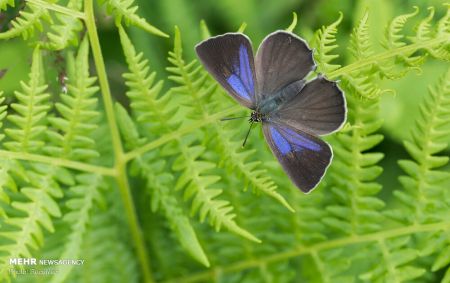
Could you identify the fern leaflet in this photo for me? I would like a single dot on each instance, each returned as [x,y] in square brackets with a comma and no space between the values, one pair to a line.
[31,111]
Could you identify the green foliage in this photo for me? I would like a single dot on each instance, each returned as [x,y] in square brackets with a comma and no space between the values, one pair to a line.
[66,31]
[422,195]
[125,184]
[29,124]
[124,9]
[5,3]
[77,112]
[27,22]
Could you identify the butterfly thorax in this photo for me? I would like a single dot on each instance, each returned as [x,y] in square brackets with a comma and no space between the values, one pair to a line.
[256,117]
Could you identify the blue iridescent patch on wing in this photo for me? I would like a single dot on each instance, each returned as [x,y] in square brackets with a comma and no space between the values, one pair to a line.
[245,70]
[238,86]
[241,80]
[287,140]
[301,141]
[280,142]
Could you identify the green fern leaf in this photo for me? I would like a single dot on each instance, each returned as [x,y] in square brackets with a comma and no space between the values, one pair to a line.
[5,3]
[125,9]
[423,183]
[365,80]
[78,112]
[27,21]
[324,43]
[393,39]
[31,111]
[11,172]
[65,32]
[159,186]
[394,30]
[356,209]
[395,265]
[32,214]
[83,198]
[103,237]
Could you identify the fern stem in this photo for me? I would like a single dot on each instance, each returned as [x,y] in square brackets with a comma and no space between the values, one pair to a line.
[58,162]
[302,250]
[58,8]
[386,257]
[119,157]
[383,56]
[179,133]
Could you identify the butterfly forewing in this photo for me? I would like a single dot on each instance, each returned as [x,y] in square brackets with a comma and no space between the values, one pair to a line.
[229,59]
[304,157]
[319,108]
[282,59]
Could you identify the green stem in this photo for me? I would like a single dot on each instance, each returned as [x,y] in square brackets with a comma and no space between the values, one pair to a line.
[384,55]
[58,162]
[120,161]
[179,133]
[302,250]
[57,8]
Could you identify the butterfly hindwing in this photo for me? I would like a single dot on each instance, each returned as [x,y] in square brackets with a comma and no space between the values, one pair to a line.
[282,59]
[304,157]
[229,59]
[319,108]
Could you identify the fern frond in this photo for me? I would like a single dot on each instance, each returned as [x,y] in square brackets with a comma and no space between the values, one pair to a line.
[83,198]
[78,112]
[142,89]
[356,209]
[324,43]
[125,9]
[28,20]
[2,114]
[394,39]
[423,29]
[103,237]
[5,3]
[309,215]
[31,111]
[363,81]
[393,34]
[423,195]
[194,178]
[32,214]
[360,45]
[159,186]
[11,172]
[396,262]
[65,32]
[443,31]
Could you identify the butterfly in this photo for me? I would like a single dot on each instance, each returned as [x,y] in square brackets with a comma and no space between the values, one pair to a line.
[293,112]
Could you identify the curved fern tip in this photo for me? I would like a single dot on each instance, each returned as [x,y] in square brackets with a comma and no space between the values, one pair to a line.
[204,30]
[294,22]
[242,27]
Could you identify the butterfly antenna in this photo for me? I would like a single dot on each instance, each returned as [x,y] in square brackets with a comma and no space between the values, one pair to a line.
[248,133]
[232,118]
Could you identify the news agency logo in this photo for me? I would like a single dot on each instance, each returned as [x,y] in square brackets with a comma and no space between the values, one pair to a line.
[34,261]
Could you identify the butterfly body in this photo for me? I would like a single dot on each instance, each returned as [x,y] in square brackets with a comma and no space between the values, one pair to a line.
[293,112]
